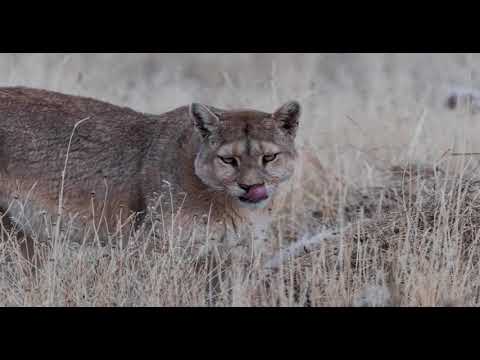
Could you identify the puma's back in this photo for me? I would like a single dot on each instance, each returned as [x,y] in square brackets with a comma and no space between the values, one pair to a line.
[35,129]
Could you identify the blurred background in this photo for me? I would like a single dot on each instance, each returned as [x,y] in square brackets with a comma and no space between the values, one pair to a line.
[357,108]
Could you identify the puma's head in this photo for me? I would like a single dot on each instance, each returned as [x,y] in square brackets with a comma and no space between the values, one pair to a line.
[246,153]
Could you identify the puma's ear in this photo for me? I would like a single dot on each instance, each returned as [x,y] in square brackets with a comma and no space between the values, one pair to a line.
[287,116]
[204,119]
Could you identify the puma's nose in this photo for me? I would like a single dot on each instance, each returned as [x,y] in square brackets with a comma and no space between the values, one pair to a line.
[248,187]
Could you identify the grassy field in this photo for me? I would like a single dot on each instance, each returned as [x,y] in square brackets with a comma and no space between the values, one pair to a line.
[385,202]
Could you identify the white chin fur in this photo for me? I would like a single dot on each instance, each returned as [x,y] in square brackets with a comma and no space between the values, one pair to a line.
[254,206]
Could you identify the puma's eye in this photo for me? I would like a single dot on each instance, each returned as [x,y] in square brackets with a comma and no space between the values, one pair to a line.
[269,158]
[229,160]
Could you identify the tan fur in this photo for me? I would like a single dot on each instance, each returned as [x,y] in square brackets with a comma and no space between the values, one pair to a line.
[121,161]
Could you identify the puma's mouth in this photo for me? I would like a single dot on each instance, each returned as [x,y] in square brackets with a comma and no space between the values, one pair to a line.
[255,194]
[252,201]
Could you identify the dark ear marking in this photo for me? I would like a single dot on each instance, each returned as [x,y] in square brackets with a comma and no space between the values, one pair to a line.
[288,116]
[204,119]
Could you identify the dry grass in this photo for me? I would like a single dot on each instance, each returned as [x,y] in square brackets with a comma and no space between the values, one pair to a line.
[384,213]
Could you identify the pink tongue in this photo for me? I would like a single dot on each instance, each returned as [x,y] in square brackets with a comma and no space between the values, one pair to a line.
[257,193]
